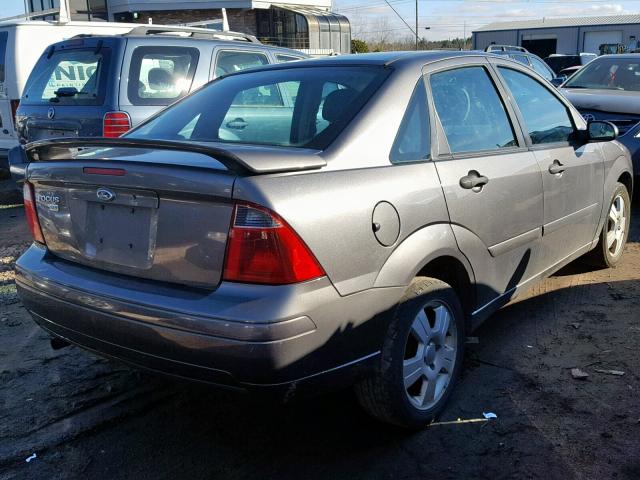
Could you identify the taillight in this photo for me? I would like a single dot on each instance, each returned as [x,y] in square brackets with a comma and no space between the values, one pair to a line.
[263,248]
[14,110]
[30,211]
[115,124]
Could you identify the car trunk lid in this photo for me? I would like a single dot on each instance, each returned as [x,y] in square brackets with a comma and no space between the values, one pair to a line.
[151,209]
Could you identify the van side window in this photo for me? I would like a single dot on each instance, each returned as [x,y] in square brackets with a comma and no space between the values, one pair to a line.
[4,36]
[230,61]
[286,58]
[161,75]
[413,142]
[472,114]
[547,118]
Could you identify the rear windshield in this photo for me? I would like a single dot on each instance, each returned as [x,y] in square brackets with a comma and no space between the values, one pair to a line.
[4,36]
[295,107]
[608,73]
[68,77]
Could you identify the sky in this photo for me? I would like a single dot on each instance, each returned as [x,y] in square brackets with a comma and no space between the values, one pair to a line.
[373,18]
[447,18]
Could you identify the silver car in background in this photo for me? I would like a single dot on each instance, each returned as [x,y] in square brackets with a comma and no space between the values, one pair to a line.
[322,223]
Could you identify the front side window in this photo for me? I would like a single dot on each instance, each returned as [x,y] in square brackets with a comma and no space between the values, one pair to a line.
[470,110]
[541,68]
[161,75]
[249,108]
[231,61]
[413,140]
[546,117]
[69,77]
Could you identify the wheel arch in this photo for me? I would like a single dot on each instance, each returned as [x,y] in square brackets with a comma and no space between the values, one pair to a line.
[432,252]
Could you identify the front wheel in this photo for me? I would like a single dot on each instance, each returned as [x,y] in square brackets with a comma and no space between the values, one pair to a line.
[615,230]
[421,357]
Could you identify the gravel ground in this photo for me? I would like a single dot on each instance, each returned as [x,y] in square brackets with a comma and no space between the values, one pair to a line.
[86,417]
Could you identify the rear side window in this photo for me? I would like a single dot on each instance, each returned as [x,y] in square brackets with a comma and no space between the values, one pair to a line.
[547,119]
[412,143]
[230,61]
[69,77]
[4,37]
[161,75]
[471,112]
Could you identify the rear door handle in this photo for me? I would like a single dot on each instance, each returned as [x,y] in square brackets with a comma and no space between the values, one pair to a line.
[556,168]
[237,124]
[473,180]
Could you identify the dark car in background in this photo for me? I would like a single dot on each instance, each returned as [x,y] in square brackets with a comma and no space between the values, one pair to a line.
[522,55]
[558,62]
[608,88]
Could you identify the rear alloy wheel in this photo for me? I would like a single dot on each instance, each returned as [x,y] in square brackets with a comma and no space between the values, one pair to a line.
[615,230]
[421,357]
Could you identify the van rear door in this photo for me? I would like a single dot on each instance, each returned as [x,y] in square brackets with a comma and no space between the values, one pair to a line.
[69,90]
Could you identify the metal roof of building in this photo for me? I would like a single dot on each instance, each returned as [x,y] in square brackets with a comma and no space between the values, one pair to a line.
[561,22]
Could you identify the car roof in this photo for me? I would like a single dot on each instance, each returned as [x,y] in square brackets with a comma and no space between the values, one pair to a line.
[389,58]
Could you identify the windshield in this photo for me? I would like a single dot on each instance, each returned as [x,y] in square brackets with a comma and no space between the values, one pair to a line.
[608,73]
[294,107]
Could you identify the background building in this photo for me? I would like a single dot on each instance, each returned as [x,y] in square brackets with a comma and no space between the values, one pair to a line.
[81,10]
[561,35]
[307,25]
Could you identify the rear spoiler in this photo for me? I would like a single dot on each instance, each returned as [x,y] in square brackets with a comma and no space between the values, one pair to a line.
[247,161]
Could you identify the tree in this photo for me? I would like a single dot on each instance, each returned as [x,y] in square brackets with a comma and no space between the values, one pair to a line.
[359,46]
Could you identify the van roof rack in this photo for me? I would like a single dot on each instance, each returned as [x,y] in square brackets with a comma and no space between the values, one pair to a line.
[505,48]
[144,30]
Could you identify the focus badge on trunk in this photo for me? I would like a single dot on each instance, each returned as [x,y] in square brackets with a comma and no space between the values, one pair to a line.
[105,195]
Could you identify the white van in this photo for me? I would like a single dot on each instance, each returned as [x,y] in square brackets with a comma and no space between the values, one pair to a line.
[21,44]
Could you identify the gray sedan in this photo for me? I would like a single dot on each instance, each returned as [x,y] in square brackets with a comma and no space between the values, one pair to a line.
[333,222]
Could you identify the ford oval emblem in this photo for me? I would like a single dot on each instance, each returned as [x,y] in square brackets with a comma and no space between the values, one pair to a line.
[51,113]
[105,195]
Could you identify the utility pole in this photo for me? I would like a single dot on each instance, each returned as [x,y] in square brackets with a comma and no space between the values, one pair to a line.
[464,38]
[416,25]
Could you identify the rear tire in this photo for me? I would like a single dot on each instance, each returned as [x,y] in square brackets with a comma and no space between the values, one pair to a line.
[615,231]
[421,357]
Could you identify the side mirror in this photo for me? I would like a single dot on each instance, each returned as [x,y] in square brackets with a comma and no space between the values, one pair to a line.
[556,82]
[601,131]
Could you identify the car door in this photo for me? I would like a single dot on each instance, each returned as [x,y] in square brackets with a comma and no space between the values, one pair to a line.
[491,181]
[572,172]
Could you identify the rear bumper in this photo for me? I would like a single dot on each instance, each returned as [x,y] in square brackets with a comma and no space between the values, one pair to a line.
[240,335]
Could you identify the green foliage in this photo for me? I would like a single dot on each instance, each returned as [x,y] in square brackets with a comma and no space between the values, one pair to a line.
[359,46]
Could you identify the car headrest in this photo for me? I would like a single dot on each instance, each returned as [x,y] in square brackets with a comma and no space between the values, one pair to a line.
[336,103]
[160,79]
